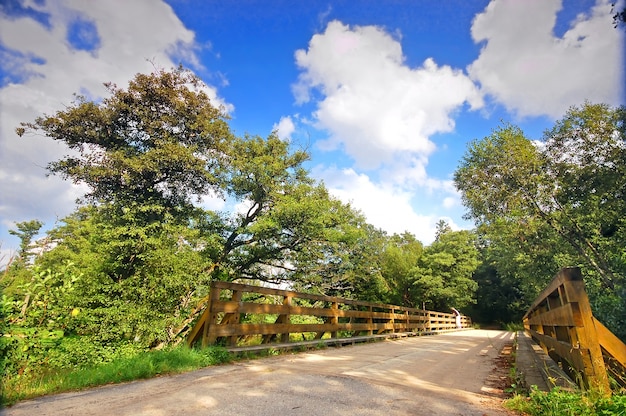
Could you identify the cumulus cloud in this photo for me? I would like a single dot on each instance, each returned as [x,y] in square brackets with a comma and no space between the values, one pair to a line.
[370,102]
[385,205]
[533,72]
[381,113]
[53,49]
[284,128]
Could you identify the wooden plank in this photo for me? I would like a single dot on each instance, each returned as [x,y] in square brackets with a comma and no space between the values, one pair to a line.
[197,330]
[613,345]
[562,310]
[566,274]
[264,308]
[281,328]
[207,337]
[374,317]
[571,355]
[560,316]
[595,371]
[307,296]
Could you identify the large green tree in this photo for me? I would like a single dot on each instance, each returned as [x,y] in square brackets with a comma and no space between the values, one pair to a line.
[148,153]
[443,277]
[554,203]
[398,263]
[159,141]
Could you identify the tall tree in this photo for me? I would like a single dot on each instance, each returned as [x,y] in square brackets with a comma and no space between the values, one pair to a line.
[565,194]
[25,232]
[506,176]
[443,276]
[586,151]
[398,262]
[159,141]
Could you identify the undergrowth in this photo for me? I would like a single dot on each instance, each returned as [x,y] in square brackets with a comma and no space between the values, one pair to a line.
[140,366]
[559,402]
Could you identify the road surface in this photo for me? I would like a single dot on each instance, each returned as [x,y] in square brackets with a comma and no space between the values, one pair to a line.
[447,374]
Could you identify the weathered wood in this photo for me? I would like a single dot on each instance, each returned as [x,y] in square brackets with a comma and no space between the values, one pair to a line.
[570,356]
[561,321]
[611,344]
[228,302]
[561,316]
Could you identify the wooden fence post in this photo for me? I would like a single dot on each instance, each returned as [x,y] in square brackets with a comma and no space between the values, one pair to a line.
[208,337]
[285,318]
[334,320]
[585,333]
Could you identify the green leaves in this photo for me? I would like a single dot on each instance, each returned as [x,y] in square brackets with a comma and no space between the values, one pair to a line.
[161,141]
[501,175]
[543,206]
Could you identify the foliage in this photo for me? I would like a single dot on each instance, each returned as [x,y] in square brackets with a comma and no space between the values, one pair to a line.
[160,141]
[36,324]
[139,280]
[560,402]
[398,263]
[542,206]
[5,344]
[146,253]
[438,276]
[25,232]
[443,278]
[118,369]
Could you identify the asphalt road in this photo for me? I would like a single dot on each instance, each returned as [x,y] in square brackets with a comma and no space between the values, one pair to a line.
[447,374]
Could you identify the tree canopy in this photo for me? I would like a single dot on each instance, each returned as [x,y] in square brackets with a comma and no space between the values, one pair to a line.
[146,248]
[161,140]
[558,202]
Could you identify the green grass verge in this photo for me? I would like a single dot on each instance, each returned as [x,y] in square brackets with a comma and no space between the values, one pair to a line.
[559,402]
[143,365]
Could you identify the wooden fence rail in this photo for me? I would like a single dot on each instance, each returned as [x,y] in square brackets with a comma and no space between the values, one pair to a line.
[237,314]
[561,322]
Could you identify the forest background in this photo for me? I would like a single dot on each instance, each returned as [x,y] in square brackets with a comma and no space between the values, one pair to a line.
[126,270]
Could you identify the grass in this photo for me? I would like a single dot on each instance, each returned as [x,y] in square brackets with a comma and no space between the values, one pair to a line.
[143,365]
[514,326]
[559,402]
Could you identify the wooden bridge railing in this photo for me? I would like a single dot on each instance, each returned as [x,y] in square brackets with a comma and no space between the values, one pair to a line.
[237,313]
[561,322]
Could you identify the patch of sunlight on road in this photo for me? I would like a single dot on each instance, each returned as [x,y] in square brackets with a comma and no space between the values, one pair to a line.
[253,393]
[261,368]
[206,401]
[323,358]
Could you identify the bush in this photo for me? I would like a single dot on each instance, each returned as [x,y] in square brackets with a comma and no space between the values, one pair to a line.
[559,402]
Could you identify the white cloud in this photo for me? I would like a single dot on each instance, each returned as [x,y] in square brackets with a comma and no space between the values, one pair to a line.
[450,202]
[371,102]
[285,128]
[382,113]
[532,72]
[46,70]
[385,206]
[212,201]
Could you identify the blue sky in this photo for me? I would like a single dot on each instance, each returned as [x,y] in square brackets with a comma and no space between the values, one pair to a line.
[385,95]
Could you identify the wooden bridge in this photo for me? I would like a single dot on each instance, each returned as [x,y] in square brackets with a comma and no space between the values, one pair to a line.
[252,317]
[449,374]
[245,317]
[562,323]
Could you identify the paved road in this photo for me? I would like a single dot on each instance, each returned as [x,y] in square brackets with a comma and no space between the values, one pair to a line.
[445,374]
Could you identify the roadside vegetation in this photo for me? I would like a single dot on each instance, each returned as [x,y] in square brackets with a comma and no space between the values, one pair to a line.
[126,275]
[559,402]
[141,365]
